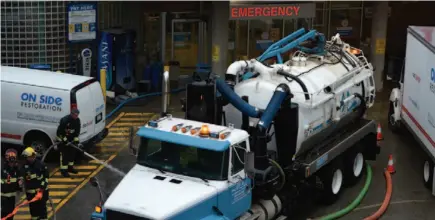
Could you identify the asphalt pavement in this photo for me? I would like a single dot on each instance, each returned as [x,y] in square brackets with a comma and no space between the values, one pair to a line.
[410,200]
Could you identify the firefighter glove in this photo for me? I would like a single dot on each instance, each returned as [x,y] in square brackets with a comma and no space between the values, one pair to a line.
[76,140]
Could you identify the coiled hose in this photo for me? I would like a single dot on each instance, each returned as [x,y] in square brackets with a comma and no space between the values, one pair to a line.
[355,202]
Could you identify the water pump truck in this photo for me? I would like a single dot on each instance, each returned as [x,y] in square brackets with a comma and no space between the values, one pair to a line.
[255,144]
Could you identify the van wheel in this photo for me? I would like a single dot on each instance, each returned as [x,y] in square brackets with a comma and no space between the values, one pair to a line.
[354,164]
[428,173]
[39,141]
[393,124]
[332,182]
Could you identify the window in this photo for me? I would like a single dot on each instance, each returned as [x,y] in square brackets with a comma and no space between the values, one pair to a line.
[238,157]
[185,160]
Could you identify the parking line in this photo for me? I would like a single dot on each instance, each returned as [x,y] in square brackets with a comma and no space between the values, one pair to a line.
[22,217]
[60,186]
[130,124]
[72,174]
[118,134]
[85,167]
[138,114]
[109,144]
[117,139]
[123,119]
[119,129]
[66,180]
[58,193]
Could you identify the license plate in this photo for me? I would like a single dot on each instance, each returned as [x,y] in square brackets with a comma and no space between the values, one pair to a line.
[98,118]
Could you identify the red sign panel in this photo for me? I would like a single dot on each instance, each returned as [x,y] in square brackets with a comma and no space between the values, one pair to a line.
[250,12]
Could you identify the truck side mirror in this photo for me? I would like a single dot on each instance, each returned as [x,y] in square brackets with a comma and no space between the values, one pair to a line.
[249,164]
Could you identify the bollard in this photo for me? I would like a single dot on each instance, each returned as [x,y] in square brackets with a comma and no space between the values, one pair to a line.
[103,83]
[166,69]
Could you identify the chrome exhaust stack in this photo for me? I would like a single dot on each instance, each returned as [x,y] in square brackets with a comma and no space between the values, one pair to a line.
[165,93]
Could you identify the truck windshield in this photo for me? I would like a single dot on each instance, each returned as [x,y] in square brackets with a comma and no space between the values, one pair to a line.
[185,160]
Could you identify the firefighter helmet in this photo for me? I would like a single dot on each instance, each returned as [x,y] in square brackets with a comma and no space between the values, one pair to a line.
[28,152]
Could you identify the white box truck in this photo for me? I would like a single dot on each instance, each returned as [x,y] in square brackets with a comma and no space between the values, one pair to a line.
[34,101]
[412,104]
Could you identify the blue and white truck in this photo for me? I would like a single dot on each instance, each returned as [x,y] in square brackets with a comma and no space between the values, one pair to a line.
[255,144]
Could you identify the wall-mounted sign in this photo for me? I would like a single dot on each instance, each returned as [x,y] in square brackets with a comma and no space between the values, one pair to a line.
[82,19]
[86,61]
[380,46]
[251,12]
[216,53]
[345,30]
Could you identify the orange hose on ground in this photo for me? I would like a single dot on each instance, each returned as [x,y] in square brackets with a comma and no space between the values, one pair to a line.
[37,197]
[387,198]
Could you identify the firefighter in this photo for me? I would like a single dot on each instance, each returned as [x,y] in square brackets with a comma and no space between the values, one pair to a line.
[35,178]
[10,182]
[68,132]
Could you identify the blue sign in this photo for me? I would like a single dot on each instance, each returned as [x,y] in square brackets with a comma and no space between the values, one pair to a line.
[41,102]
[82,18]
[105,57]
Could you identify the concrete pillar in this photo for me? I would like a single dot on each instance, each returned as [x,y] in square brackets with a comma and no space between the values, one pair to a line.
[219,20]
[378,39]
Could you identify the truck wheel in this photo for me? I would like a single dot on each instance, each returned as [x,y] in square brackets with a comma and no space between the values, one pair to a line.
[393,124]
[354,164]
[40,142]
[332,181]
[428,173]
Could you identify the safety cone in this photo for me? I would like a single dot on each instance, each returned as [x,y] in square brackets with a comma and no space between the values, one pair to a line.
[390,167]
[379,135]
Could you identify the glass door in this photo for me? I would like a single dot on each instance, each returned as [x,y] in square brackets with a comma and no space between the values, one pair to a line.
[188,44]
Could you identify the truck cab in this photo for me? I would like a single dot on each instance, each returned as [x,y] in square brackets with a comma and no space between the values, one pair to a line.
[185,170]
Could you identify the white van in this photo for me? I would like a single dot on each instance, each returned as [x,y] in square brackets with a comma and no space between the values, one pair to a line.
[34,101]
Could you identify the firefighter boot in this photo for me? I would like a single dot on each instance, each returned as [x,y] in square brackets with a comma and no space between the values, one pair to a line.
[65,173]
[72,170]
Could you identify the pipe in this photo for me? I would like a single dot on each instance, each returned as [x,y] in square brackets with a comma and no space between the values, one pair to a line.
[299,81]
[282,42]
[281,92]
[355,202]
[237,67]
[387,198]
[261,138]
[165,93]
[235,100]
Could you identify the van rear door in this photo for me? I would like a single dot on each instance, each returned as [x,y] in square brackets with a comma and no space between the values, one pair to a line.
[99,107]
[83,100]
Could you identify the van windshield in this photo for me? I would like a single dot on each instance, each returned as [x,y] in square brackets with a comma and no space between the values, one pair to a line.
[184,160]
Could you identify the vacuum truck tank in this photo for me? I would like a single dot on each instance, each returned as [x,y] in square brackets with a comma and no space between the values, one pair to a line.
[295,110]
[326,87]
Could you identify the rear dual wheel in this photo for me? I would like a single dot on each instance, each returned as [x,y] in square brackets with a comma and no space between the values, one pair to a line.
[354,165]
[342,171]
[331,177]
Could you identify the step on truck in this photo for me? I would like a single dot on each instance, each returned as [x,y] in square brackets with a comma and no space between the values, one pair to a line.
[254,145]
[412,103]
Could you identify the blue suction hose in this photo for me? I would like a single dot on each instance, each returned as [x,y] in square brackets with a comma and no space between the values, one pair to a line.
[139,97]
